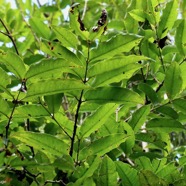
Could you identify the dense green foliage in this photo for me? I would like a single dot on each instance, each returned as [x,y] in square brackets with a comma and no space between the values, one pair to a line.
[95,97]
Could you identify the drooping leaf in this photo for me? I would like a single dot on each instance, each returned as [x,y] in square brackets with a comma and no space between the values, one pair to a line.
[14,63]
[40,27]
[107,173]
[4,107]
[173,80]
[116,45]
[54,86]
[53,102]
[164,125]
[43,142]
[168,111]
[168,18]
[113,95]
[103,145]
[139,118]
[127,174]
[67,38]
[97,119]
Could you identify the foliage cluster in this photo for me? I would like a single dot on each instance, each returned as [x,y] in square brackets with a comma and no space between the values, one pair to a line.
[93,98]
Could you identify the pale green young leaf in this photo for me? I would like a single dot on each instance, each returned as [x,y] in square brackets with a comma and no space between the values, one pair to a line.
[116,45]
[164,125]
[97,119]
[4,107]
[43,142]
[168,18]
[4,79]
[13,63]
[107,174]
[53,86]
[39,27]
[103,145]
[127,174]
[183,74]
[139,118]
[65,36]
[113,95]
[138,15]
[173,80]
[180,38]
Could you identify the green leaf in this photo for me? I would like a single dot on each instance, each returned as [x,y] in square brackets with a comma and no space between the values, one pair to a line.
[119,64]
[97,119]
[139,118]
[107,174]
[46,69]
[183,74]
[53,86]
[168,18]
[180,105]
[127,174]
[43,142]
[53,102]
[144,163]
[149,91]
[103,145]
[113,95]
[40,27]
[147,177]
[116,45]
[66,37]
[180,38]
[4,79]
[30,111]
[173,80]
[164,125]
[4,108]
[168,111]
[138,15]
[89,172]
[13,63]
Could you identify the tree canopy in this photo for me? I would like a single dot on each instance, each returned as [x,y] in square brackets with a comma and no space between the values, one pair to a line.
[93,93]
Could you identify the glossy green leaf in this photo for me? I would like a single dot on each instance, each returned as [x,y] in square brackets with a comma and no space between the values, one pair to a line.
[103,145]
[164,125]
[168,18]
[180,105]
[113,95]
[119,64]
[107,173]
[65,36]
[40,27]
[116,45]
[147,177]
[55,86]
[43,142]
[149,92]
[53,102]
[139,118]
[14,63]
[127,174]
[97,119]
[180,38]
[173,80]
[32,110]
[46,69]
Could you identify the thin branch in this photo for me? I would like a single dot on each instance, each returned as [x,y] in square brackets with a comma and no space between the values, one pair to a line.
[50,114]
[9,35]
